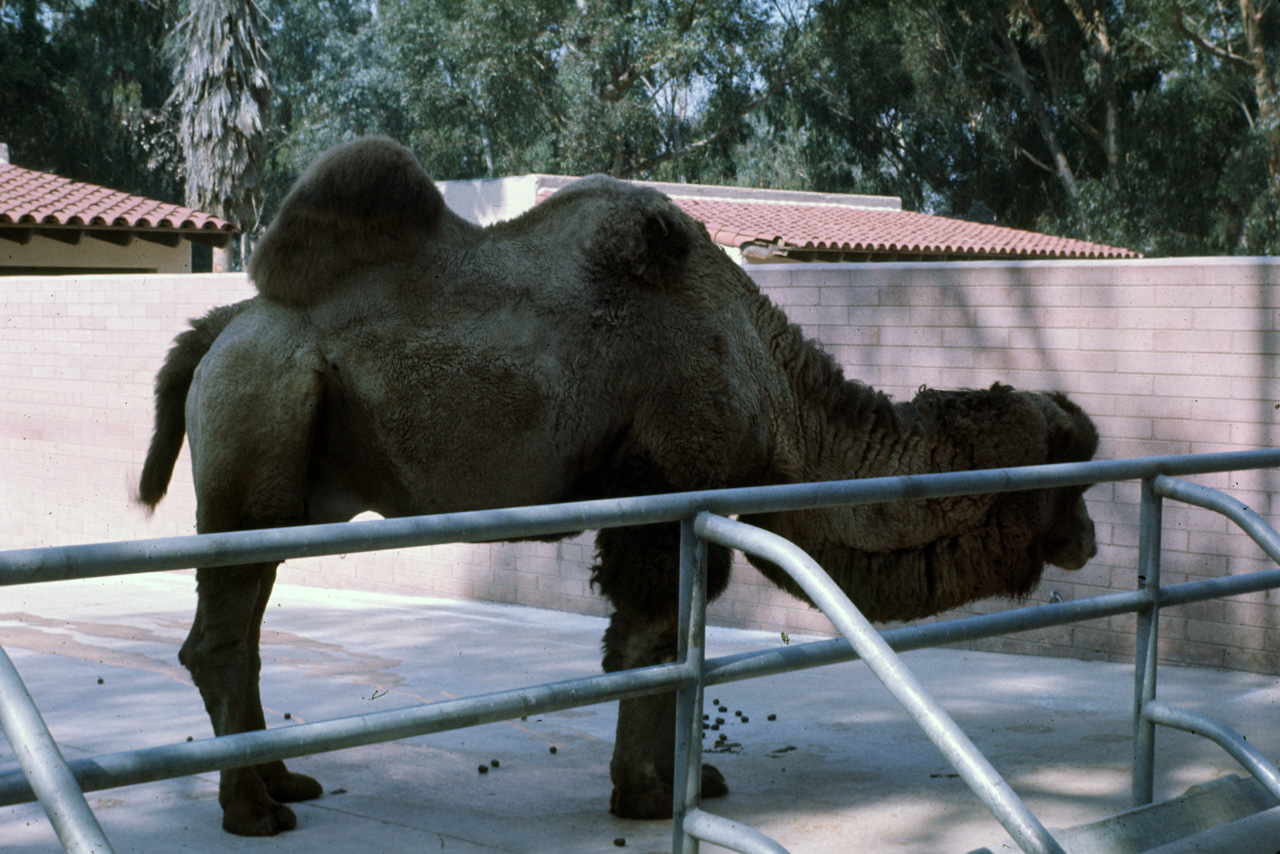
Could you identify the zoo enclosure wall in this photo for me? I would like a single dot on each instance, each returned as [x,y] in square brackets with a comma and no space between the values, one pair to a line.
[1168,356]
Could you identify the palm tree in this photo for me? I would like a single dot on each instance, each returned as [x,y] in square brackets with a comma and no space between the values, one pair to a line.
[222,90]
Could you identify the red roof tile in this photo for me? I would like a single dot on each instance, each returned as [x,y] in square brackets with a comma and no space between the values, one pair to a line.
[30,198]
[830,229]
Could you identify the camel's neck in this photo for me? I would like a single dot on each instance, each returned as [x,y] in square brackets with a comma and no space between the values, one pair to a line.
[842,428]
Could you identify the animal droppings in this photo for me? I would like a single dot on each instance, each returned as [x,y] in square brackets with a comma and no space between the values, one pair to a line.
[484,769]
[493,762]
[704,717]
[724,708]
[620,841]
[100,680]
[771,718]
[715,702]
[288,716]
[190,738]
[745,719]
[715,726]
[553,748]
[338,792]
[738,712]
[719,720]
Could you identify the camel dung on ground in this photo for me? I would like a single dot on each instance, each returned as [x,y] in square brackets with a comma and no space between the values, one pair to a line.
[402,360]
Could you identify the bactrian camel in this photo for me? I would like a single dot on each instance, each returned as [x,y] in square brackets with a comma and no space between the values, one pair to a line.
[401,360]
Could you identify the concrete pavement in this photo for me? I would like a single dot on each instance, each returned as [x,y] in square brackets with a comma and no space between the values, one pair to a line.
[840,769]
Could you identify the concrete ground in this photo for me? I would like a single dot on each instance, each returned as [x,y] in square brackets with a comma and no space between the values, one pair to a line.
[840,769]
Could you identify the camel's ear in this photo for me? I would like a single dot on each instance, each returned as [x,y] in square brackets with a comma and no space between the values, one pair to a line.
[644,235]
[1073,438]
[365,202]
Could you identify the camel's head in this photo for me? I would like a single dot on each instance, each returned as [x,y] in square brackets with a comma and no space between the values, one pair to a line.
[1069,543]
[1070,540]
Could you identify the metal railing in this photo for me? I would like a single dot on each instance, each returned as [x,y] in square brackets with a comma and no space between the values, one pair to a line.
[46,776]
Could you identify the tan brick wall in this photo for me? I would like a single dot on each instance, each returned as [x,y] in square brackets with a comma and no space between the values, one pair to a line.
[1168,356]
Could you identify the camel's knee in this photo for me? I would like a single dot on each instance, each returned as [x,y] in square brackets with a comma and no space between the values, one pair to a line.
[204,656]
[219,669]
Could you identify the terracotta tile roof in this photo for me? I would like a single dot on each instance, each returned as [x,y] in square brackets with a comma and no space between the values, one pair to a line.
[38,199]
[825,232]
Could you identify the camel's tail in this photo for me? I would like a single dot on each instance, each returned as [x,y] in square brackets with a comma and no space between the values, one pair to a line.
[172,384]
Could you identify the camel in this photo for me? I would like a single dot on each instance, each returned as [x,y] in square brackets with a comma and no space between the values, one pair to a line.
[401,360]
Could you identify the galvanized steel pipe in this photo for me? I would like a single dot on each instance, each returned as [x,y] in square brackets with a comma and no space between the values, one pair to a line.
[729,834]
[973,767]
[1224,736]
[25,566]
[251,748]
[44,769]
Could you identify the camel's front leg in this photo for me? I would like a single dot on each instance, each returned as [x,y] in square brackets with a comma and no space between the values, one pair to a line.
[639,572]
[222,654]
[643,763]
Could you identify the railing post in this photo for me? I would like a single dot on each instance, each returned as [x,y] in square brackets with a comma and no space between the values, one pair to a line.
[1147,645]
[691,650]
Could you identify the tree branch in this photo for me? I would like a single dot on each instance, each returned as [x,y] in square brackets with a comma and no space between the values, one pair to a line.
[1204,44]
[720,131]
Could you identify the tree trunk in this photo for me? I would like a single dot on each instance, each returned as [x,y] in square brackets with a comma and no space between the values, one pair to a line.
[1061,165]
[1093,24]
[1264,86]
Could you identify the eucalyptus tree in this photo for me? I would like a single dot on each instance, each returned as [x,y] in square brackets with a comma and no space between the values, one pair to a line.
[644,89]
[82,89]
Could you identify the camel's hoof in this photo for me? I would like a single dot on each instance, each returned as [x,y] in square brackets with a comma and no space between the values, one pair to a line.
[713,784]
[642,804]
[657,802]
[289,788]
[255,819]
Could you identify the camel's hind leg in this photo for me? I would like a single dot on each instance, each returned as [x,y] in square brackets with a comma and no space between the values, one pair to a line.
[250,416]
[639,572]
[222,654]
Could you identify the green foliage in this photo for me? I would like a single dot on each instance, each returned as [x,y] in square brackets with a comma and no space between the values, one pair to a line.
[82,87]
[334,78]
[1152,124]
[556,86]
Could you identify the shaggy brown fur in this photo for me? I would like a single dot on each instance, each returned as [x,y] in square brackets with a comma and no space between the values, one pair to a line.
[355,207]
[403,361]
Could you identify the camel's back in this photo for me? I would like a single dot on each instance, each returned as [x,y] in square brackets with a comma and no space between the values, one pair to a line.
[601,332]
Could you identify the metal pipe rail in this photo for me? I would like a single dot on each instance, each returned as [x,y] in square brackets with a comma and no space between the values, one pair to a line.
[251,748]
[691,674]
[1147,711]
[1222,735]
[44,766]
[61,563]
[973,767]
